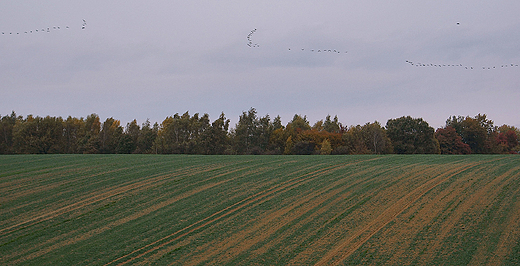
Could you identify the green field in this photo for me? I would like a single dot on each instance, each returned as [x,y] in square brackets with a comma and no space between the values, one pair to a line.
[259,210]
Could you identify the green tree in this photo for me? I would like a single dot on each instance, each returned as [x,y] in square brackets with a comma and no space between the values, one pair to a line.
[182,134]
[375,138]
[245,132]
[411,136]
[133,130]
[7,124]
[298,124]
[110,134]
[128,141]
[263,133]
[326,148]
[162,143]
[252,134]
[277,140]
[147,137]
[289,146]
[174,134]
[318,126]
[39,135]
[294,128]
[332,126]
[91,142]
[125,145]
[354,142]
[198,127]
[217,138]
[74,132]
[277,123]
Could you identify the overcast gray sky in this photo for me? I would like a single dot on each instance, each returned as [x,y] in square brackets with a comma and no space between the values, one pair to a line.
[152,59]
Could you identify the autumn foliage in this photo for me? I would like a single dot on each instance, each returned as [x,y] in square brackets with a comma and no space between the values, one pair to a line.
[196,134]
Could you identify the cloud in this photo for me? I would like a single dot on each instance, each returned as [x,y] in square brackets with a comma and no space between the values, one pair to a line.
[149,60]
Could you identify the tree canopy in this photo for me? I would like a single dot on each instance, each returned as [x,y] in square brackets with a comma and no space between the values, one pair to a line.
[411,136]
[253,134]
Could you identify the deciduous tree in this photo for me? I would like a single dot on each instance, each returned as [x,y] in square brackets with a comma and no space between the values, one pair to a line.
[450,142]
[326,148]
[477,132]
[507,139]
[91,142]
[74,133]
[411,136]
[354,142]
[147,137]
[217,137]
[39,135]
[110,134]
[6,133]
[376,139]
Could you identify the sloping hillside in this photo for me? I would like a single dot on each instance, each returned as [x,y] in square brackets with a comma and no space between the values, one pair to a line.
[259,210]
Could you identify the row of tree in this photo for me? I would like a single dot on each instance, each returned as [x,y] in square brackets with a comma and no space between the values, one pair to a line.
[196,134]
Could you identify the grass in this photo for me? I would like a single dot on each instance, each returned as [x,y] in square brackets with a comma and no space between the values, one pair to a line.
[259,210]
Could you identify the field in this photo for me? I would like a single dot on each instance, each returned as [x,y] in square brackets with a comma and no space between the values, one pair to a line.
[259,210]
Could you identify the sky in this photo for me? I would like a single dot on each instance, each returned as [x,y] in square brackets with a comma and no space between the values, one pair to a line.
[151,59]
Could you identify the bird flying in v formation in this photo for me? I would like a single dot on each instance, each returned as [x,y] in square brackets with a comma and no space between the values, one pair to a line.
[43,30]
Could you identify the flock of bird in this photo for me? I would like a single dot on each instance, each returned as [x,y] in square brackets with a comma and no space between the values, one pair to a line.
[36,31]
[250,42]
[321,50]
[47,29]
[461,66]
[253,45]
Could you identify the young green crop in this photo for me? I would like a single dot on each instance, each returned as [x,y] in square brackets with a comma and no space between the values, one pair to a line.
[262,210]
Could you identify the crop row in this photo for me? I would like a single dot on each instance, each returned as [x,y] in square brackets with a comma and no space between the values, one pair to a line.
[260,210]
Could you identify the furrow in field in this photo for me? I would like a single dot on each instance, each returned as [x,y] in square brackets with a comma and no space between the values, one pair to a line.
[401,210]
[20,169]
[33,179]
[332,228]
[288,229]
[34,183]
[347,247]
[150,182]
[473,203]
[510,236]
[254,199]
[197,225]
[439,212]
[46,190]
[39,251]
[218,252]
[32,218]
[303,180]
[423,210]
[489,195]
[21,173]
[99,196]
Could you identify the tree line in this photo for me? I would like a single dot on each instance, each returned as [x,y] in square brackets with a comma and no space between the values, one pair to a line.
[196,134]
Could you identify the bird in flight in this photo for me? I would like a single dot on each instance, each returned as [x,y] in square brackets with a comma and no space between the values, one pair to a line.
[44,29]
